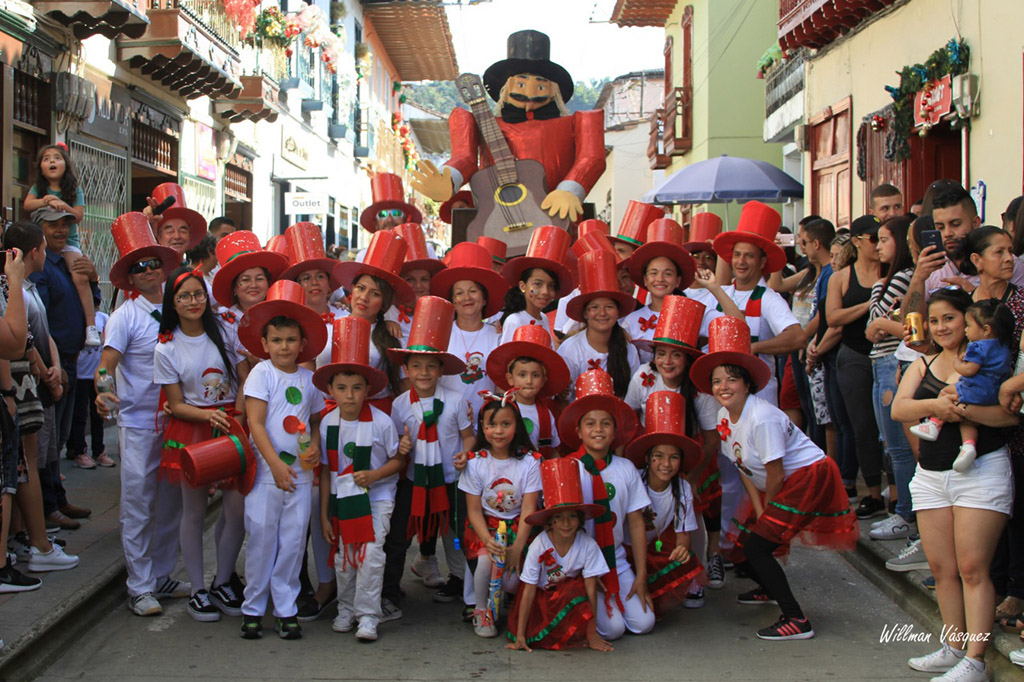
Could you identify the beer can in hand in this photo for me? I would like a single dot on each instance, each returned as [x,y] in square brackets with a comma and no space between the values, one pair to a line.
[915,325]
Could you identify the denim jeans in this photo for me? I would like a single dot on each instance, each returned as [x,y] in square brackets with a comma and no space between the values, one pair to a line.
[893,437]
[847,449]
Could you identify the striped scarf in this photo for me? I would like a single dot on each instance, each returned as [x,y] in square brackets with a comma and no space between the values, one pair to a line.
[427,473]
[604,525]
[349,507]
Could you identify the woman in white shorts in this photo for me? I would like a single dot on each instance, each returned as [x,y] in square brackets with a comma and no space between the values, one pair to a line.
[960,516]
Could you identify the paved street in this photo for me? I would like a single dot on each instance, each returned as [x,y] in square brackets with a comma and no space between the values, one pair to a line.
[714,643]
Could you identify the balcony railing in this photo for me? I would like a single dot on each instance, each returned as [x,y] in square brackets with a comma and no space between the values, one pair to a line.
[677,133]
[783,81]
[210,14]
[816,23]
[655,149]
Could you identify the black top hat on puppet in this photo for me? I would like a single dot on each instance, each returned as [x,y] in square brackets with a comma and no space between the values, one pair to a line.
[287,299]
[528,52]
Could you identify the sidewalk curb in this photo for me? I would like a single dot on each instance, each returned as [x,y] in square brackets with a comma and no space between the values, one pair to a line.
[907,591]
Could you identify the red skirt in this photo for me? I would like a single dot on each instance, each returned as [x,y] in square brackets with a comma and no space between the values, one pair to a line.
[707,494]
[812,507]
[472,546]
[179,434]
[559,616]
[668,581]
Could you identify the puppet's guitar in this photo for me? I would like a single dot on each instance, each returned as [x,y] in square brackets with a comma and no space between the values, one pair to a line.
[509,193]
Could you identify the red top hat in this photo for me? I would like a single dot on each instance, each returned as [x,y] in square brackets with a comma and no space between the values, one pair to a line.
[596,391]
[387,194]
[548,249]
[598,279]
[416,257]
[563,492]
[758,225]
[469,261]
[430,333]
[384,258]
[306,243]
[664,238]
[133,237]
[221,458]
[704,227]
[678,325]
[665,416]
[592,225]
[497,248]
[279,244]
[236,253]
[728,344]
[180,210]
[633,228]
[288,299]
[445,211]
[529,341]
[593,240]
[350,353]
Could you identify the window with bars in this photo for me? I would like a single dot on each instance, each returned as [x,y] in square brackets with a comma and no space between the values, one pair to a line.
[154,148]
[237,183]
[202,196]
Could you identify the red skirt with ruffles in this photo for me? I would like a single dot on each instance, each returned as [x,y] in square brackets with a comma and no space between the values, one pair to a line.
[559,616]
[668,581]
[471,541]
[812,507]
[179,434]
[707,494]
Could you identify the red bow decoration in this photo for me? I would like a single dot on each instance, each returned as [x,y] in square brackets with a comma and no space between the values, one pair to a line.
[546,557]
[647,379]
[228,316]
[132,294]
[505,398]
[196,272]
[723,429]
[164,337]
[648,324]
[327,317]
[595,363]
[403,314]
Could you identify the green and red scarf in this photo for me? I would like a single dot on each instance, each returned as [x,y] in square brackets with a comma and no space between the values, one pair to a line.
[427,473]
[604,525]
[349,506]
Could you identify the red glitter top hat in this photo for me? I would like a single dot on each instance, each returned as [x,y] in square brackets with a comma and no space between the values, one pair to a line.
[179,210]
[678,325]
[595,390]
[563,492]
[306,243]
[133,237]
[383,259]
[758,225]
[285,298]
[416,256]
[224,457]
[664,238]
[728,344]
[665,424]
[387,194]
[529,341]
[472,262]
[704,227]
[236,253]
[548,249]
[633,228]
[598,279]
[350,353]
[497,248]
[445,210]
[430,333]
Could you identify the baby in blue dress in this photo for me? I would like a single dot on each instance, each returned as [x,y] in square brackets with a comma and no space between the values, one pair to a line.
[983,368]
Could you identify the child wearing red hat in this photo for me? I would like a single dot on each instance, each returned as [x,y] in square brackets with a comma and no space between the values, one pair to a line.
[597,423]
[282,406]
[558,597]
[361,458]
[200,376]
[501,482]
[537,279]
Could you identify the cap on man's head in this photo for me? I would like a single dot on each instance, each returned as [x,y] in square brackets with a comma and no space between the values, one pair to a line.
[866,224]
[49,214]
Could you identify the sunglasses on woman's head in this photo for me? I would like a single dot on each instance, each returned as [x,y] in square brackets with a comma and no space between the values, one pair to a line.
[143,265]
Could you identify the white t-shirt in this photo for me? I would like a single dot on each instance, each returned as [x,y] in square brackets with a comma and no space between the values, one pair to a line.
[454,418]
[286,395]
[580,356]
[563,322]
[667,513]
[473,349]
[626,493]
[132,331]
[89,358]
[385,446]
[195,363]
[764,434]
[584,558]
[640,388]
[532,419]
[501,483]
[517,320]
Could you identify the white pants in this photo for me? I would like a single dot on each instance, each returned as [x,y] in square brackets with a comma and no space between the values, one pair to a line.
[359,588]
[150,511]
[732,494]
[276,522]
[321,550]
[634,618]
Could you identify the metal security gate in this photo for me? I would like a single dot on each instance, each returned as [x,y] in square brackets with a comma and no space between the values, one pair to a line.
[201,196]
[103,176]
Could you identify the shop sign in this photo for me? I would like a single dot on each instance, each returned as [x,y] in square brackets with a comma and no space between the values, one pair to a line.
[306,203]
[111,119]
[933,101]
[206,152]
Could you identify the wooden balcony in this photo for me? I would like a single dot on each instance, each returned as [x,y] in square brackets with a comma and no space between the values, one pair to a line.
[257,101]
[655,155]
[677,130]
[816,23]
[110,18]
[189,48]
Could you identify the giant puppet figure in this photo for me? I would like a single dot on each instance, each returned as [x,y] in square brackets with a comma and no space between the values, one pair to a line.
[531,92]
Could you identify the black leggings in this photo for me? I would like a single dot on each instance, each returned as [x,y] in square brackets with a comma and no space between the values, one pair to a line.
[763,567]
[856,381]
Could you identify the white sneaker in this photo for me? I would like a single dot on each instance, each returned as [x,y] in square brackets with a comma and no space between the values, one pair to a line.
[389,610]
[344,621]
[926,430]
[893,528]
[92,337]
[876,524]
[54,560]
[145,605]
[171,588]
[367,631]
[912,558]
[964,671]
[937,661]
[425,567]
[483,626]
[964,460]
[1017,657]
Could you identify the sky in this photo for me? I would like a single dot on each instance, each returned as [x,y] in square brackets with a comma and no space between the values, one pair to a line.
[587,50]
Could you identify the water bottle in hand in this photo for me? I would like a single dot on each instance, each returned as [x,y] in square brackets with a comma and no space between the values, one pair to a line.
[304,441]
[105,387]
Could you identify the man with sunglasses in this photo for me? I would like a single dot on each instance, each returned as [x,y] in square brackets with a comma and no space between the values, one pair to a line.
[150,510]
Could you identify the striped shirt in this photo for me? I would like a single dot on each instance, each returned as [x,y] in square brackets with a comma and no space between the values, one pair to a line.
[882,303]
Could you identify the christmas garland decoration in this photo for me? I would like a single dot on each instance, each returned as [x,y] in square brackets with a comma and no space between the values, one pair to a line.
[952,59]
[401,129]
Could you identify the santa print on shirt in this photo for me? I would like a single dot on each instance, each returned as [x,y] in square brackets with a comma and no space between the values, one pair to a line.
[473,348]
[501,484]
[545,567]
[195,363]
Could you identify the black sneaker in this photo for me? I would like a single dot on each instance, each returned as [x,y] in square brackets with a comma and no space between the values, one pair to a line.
[716,572]
[788,628]
[237,584]
[252,627]
[694,600]
[870,507]
[13,580]
[288,628]
[310,609]
[756,596]
[202,609]
[226,599]
[451,591]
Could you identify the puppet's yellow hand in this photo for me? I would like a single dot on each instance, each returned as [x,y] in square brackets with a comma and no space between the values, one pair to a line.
[562,203]
[430,182]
